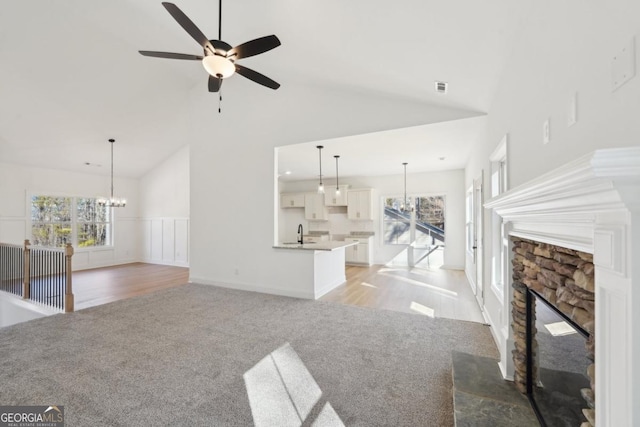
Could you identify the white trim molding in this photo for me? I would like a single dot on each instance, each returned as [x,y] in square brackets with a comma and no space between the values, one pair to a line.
[593,205]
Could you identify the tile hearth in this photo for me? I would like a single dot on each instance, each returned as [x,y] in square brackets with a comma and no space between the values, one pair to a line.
[481,397]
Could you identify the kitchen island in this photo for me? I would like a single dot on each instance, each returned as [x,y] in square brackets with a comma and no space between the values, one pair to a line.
[328,264]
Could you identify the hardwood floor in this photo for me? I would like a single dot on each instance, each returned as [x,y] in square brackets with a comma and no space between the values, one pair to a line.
[431,292]
[428,291]
[102,285]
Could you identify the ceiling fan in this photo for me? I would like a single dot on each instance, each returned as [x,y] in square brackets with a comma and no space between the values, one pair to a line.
[219,58]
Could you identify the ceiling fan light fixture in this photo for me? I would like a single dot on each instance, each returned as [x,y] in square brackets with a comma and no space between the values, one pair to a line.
[218,66]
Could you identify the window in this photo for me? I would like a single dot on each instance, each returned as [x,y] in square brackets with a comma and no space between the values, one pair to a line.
[469,232]
[396,224]
[93,223]
[50,221]
[427,220]
[56,221]
[498,238]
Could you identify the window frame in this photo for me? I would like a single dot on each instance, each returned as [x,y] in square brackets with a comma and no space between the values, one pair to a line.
[384,222]
[499,239]
[469,221]
[412,198]
[74,221]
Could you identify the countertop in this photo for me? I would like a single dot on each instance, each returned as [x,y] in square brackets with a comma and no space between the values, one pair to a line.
[328,245]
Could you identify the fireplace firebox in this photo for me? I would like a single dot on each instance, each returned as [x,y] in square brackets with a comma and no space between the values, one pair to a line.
[557,380]
[553,323]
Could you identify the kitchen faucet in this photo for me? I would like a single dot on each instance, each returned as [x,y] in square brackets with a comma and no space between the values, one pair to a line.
[300,240]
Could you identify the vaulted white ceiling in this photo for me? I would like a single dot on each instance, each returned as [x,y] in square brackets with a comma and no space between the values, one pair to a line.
[71,76]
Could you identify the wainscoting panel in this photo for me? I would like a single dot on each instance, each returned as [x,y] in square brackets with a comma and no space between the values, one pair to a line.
[145,239]
[126,240]
[168,242]
[156,240]
[182,241]
[165,241]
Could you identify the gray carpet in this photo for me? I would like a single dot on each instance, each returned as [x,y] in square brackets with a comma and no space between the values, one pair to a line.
[178,356]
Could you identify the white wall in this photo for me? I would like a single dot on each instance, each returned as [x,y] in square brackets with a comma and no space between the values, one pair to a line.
[234,197]
[564,48]
[164,211]
[448,183]
[18,182]
[13,309]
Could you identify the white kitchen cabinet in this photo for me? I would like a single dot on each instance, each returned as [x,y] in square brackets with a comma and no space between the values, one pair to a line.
[330,198]
[360,204]
[292,200]
[314,208]
[362,253]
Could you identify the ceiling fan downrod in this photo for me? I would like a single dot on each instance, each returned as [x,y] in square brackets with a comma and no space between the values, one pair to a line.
[220,20]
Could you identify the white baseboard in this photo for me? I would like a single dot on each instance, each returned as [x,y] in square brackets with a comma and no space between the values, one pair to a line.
[252,288]
[451,267]
[169,263]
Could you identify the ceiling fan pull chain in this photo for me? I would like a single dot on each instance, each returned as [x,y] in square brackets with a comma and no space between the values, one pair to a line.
[219,100]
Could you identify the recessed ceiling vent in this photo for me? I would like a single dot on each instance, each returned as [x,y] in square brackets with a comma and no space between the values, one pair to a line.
[441,87]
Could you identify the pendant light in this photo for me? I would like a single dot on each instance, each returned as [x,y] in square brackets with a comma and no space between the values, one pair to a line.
[320,186]
[112,202]
[337,187]
[406,206]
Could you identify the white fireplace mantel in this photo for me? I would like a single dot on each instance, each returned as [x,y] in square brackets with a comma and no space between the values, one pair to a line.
[593,205]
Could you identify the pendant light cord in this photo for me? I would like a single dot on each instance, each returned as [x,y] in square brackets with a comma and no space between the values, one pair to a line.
[111,141]
[405,186]
[337,184]
[320,159]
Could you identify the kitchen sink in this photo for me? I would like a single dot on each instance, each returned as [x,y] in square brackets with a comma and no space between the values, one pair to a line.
[297,243]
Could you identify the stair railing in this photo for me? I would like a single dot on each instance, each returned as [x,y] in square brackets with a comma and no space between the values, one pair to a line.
[46,274]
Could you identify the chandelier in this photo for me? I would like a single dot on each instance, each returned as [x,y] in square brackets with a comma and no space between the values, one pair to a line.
[112,202]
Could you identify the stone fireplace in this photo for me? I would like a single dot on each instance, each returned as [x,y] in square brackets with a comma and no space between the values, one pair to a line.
[560,383]
[573,238]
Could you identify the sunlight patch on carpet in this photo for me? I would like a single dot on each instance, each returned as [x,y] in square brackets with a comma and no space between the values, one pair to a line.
[282,392]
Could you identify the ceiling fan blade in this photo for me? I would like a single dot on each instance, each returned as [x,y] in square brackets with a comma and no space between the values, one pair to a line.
[188,25]
[219,44]
[257,77]
[214,84]
[169,55]
[255,47]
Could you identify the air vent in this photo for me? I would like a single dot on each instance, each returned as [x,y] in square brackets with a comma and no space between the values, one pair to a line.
[441,87]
